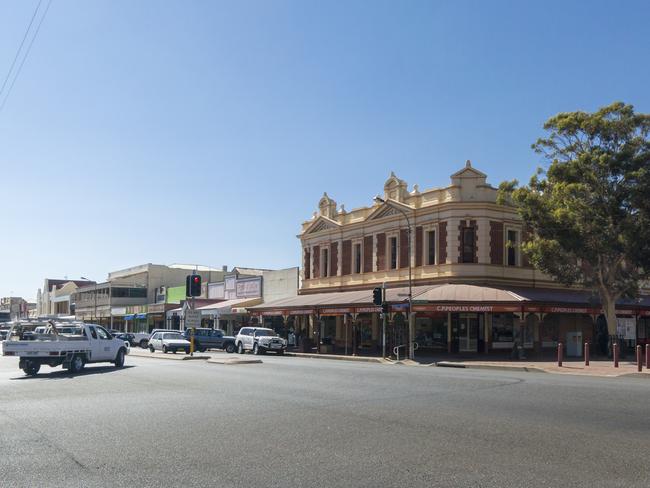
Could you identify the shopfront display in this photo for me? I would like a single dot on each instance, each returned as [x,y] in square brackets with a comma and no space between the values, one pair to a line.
[431,331]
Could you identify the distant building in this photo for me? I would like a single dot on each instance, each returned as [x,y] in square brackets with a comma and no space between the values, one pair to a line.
[12,308]
[55,299]
[134,298]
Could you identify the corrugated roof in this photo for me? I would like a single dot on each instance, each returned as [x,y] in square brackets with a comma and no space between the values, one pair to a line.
[468,293]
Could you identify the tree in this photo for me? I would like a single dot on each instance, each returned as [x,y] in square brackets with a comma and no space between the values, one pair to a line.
[588,214]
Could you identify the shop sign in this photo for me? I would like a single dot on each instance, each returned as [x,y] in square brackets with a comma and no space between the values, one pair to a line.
[249,288]
[626,312]
[216,291]
[334,311]
[157,308]
[466,308]
[644,313]
[570,310]
[271,313]
[304,311]
[367,309]
[118,311]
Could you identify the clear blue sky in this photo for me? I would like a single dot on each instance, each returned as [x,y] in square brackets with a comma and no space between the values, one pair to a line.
[127,111]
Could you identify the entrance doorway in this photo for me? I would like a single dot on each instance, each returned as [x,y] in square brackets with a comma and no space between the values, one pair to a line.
[467,334]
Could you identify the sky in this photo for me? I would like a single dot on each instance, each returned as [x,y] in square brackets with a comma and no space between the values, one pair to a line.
[206,131]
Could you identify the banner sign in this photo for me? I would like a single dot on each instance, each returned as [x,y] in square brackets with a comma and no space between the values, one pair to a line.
[334,311]
[466,308]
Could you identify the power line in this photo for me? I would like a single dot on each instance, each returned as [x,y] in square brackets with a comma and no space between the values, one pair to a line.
[20,47]
[29,48]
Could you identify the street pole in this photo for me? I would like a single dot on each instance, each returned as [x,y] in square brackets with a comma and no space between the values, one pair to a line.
[411,319]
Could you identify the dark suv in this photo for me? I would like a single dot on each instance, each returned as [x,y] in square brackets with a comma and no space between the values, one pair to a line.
[211,339]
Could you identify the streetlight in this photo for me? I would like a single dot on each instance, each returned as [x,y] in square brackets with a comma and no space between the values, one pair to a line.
[378,199]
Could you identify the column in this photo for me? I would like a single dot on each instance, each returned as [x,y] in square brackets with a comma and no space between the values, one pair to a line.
[452,240]
[448,331]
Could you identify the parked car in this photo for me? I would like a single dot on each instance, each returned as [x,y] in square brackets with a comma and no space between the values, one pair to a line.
[169,341]
[141,339]
[211,339]
[259,340]
[126,337]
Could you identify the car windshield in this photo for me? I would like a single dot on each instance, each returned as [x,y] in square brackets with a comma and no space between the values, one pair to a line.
[172,336]
[265,333]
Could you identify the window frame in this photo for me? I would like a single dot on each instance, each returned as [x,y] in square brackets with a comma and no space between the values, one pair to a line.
[464,244]
[426,243]
[357,263]
[516,248]
[390,238]
[325,261]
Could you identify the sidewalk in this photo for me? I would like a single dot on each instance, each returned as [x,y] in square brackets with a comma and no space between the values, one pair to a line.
[595,368]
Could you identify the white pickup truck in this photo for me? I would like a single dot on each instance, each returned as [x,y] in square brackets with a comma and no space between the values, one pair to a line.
[90,344]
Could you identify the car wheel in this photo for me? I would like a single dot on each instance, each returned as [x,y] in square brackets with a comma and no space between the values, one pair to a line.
[119,359]
[174,351]
[76,365]
[164,349]
[152,349]
[281,352]
[143,343]
[256,349]
[240,348]
[230,348]
[31,368]
[187,351]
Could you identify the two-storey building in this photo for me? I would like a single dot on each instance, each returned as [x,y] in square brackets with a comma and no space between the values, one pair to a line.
[459,250]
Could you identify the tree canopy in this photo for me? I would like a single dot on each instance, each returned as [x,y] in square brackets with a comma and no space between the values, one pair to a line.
[588,213]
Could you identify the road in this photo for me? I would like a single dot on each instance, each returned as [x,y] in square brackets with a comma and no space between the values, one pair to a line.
[295,422]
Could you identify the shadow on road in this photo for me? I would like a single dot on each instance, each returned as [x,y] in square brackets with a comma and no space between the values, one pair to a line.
[65,375]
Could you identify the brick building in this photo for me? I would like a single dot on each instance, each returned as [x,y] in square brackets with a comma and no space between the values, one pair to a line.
[473,291]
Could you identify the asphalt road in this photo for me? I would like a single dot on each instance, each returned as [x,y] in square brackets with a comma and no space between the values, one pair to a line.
[294,422]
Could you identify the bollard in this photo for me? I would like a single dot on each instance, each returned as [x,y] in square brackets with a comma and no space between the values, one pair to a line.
[586,354]
[647,355]
[559,354]
[615,355]
[639,359]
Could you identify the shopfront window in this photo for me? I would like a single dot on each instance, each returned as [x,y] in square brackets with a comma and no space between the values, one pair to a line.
[431,332]
[549,330]
[503,330]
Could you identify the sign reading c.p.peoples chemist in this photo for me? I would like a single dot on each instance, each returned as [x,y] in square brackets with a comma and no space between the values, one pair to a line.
[466,308]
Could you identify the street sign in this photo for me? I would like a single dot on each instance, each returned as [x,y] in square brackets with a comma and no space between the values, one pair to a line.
[192,318]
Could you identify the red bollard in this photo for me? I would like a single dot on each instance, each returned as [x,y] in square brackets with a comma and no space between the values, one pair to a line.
[586,354]
[615,355]
[639,359]
[559,354]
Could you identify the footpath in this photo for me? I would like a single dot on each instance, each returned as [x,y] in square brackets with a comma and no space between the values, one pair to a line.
[599,368]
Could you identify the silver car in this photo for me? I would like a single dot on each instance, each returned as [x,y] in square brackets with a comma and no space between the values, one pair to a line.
[168,341]
[259,340]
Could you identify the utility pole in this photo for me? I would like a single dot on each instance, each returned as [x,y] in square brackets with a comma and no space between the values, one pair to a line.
[384,326]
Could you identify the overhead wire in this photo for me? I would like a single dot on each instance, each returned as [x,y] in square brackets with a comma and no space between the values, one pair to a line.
[20,48]
[29,48]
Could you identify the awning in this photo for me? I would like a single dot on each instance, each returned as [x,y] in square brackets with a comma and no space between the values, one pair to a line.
[141,316]
[129,317]
[225,307]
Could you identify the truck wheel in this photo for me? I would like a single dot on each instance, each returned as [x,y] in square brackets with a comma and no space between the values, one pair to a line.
[230,348]
[143,343]
[164,349]
[31,368]
[119,359]
[76,365]
[240,348]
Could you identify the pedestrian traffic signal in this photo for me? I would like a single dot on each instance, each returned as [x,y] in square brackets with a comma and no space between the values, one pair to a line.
[378,296]
[193,285]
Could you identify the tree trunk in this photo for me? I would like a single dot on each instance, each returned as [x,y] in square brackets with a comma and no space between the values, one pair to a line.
[609,307]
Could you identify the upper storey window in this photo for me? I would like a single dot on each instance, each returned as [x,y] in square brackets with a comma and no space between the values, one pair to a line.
[512,249]
[469,244]
[431,247]
[326,263]
[393,252]
[357,258]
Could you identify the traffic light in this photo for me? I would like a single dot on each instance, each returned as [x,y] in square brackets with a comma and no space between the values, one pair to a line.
[193,285]
[377,296]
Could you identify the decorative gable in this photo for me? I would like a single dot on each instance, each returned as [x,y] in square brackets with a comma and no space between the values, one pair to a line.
[388,209]
[321,224]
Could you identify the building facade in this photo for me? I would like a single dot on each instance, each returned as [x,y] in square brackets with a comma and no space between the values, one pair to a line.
[457,252]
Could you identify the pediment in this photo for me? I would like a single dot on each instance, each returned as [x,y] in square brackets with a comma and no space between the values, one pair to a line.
[321,224]
[388,209]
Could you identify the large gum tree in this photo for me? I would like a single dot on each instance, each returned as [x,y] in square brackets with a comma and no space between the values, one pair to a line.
[588,213]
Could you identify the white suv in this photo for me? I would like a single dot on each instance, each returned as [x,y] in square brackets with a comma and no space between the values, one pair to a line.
[259,340]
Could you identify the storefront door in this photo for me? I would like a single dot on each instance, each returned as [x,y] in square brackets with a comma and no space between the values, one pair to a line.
[468,332]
